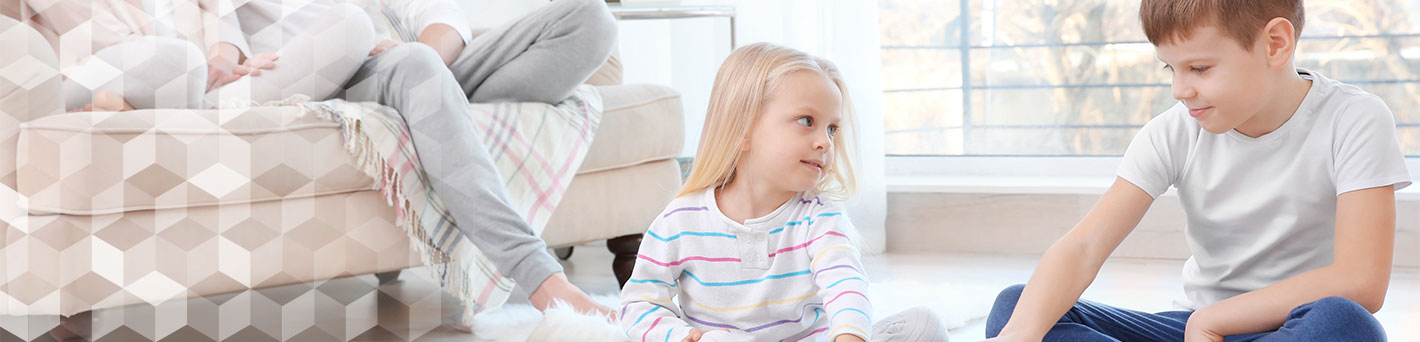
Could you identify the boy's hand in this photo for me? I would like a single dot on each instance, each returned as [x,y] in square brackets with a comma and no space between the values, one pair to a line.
[382,46]
[1200,328]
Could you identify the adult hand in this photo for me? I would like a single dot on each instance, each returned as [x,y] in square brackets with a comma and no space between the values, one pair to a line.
[382,46]
[254,64]
[220,72]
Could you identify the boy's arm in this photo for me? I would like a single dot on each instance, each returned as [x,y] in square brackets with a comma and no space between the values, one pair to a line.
[1360,271]
[1070,265]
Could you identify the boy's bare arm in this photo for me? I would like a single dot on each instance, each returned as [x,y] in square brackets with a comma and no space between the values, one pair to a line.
[1070,265]
[445,41]
[1360,271]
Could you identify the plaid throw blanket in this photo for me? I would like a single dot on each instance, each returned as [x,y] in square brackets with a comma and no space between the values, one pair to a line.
[536,146]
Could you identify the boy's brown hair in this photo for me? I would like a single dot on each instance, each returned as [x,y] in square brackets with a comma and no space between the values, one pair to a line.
[1242,20]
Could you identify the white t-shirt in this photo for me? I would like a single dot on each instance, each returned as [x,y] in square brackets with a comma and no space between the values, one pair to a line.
[1263,209]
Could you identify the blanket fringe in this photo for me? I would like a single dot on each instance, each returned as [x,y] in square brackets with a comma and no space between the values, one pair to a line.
[454,279]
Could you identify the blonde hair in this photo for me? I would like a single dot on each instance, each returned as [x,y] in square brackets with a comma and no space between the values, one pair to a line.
[748,76]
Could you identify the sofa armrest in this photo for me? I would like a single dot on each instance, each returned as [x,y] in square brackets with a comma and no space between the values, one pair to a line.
[29,87]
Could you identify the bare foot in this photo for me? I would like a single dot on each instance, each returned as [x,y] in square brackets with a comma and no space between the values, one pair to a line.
[556,287]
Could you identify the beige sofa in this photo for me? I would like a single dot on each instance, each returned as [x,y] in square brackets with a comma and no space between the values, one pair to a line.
[123,208]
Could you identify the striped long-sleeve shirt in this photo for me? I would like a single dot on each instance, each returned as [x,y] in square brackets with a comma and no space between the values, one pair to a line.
[791,275]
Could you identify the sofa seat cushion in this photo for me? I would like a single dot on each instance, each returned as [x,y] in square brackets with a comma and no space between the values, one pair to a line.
[94,163]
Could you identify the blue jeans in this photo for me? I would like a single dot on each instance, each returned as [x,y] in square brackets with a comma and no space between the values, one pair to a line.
[1327,319]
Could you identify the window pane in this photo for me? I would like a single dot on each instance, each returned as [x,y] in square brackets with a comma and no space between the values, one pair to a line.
[931,141]
[1361,17]
[1112,106]
[1067,65]
[919,22]
[1049,141]
[923,122]
[1033,22]
[917,68]
[1075,77]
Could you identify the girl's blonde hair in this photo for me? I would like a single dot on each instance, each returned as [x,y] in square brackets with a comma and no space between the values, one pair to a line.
[746,79]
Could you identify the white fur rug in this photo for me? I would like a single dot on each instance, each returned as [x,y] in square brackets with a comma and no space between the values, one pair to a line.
[956,305]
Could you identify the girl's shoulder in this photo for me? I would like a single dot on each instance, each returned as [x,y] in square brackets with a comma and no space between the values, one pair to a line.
[689,203]
[816,203]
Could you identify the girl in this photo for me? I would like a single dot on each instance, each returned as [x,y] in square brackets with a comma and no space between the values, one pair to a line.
[755,246]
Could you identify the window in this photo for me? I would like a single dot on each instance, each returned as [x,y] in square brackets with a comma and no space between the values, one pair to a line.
[1077,78]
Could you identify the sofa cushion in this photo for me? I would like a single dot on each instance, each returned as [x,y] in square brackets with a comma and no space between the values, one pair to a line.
[640,123]
[102,162]
[91,163]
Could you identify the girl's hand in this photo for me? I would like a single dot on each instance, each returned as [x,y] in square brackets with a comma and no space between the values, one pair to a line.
[848,338]
[696,334]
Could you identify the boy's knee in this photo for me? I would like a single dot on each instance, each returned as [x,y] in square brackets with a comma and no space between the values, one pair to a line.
[1010,295]
[1341,317]
[1001,310]
[1337,307]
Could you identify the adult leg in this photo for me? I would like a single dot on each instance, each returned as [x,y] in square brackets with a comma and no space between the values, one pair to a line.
[413,80]
[540,57]
[1090,321]
[316,63]
[149,72]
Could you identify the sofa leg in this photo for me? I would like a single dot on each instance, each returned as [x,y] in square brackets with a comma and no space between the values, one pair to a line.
[624,249]
[73,328]
[387,277]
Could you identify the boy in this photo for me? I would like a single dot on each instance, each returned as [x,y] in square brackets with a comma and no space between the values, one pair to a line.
[1287,177]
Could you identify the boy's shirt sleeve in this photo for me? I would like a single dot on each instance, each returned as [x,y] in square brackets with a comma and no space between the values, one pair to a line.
[837,270]
[1156,156]
[1367,153]
[647,312]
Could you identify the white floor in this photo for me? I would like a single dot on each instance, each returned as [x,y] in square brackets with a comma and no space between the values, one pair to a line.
[355,308]
[1141,284]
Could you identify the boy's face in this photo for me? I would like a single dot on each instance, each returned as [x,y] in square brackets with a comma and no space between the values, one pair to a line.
[1222,84]
[792,144]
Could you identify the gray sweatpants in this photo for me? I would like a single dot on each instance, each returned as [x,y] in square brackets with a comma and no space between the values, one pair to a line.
[540,57]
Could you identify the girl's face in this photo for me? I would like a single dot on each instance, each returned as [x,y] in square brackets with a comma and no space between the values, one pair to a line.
[792,144]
